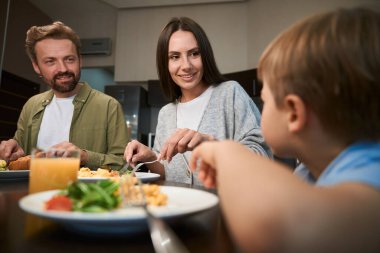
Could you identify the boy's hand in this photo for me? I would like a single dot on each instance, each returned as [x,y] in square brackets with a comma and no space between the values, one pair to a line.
[203,160]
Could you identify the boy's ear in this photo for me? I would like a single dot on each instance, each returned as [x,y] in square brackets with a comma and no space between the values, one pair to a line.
[296,113]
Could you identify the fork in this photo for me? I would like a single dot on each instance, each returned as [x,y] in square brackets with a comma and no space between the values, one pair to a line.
[163,238]
[137,167]
[124,169]
[189,172]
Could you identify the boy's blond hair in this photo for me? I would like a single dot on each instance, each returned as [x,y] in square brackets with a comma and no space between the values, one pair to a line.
[56,30]
[331,61]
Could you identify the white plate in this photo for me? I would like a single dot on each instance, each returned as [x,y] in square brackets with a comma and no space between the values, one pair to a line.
[92,179]
[143,176]
[10,175]
[147,176]
[181,202]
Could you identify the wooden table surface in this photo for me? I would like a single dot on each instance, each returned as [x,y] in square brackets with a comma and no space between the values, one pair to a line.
[201,232]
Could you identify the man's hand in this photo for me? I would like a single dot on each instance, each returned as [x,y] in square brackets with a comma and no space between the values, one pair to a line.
[10,150]
[68,146]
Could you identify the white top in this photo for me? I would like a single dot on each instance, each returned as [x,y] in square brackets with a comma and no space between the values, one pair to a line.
[230,114]
[56,122]
[189,114]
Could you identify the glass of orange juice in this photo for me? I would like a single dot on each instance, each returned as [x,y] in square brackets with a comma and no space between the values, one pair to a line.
[53,169]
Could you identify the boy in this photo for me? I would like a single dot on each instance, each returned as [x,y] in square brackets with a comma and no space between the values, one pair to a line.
[321,104]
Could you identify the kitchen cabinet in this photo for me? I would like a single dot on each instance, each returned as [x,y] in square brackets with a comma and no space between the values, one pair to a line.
[133,99]
[14,92]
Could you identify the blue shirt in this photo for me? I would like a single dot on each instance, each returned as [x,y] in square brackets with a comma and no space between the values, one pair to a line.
[359,163]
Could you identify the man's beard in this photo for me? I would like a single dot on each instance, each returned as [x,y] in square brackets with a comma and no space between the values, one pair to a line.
[67,86]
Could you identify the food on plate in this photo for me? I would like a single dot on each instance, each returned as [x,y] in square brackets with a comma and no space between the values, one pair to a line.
[152,192]
[78,196]
[59,203]
[85,172]
[101,196]
[23,163]
[3,165]
[154,196]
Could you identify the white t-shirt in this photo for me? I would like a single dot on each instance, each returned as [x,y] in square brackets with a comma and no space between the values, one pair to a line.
[189,114]
[56,122]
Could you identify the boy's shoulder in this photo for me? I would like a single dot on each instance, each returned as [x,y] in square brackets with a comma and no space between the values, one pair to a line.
[359,162]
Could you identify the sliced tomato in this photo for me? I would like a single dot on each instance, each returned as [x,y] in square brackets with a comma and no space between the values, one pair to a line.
[59,203]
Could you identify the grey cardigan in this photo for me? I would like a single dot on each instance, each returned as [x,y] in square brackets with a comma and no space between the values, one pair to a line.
[230,114]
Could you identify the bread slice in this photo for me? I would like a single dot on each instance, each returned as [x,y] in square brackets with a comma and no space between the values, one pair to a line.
[23,163]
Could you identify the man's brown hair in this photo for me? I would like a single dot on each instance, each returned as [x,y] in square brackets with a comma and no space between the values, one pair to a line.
[56,30]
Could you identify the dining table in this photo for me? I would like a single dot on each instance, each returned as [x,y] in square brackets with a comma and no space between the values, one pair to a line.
[204,231]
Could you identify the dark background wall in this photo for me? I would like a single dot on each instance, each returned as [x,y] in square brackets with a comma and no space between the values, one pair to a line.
[18,80]
[22,15]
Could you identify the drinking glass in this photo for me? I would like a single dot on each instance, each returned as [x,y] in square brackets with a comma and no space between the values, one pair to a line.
[53,169]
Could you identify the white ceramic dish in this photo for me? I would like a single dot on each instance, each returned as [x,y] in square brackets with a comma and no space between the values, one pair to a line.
[181,202]
[147,176]
[143,176]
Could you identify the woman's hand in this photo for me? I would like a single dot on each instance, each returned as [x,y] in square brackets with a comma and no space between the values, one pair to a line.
[181,141]
[136,152]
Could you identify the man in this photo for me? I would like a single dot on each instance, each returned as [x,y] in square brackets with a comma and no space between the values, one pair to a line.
[71,115]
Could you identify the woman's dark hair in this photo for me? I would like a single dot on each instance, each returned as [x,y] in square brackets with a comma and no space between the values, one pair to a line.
[211,74]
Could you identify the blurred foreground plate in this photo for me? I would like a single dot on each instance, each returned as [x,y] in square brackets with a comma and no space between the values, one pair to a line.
[181,202]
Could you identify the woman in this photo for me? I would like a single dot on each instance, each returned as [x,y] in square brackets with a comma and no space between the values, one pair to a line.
[204,106]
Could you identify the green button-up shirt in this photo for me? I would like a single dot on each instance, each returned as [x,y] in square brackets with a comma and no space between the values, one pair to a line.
[98,126]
